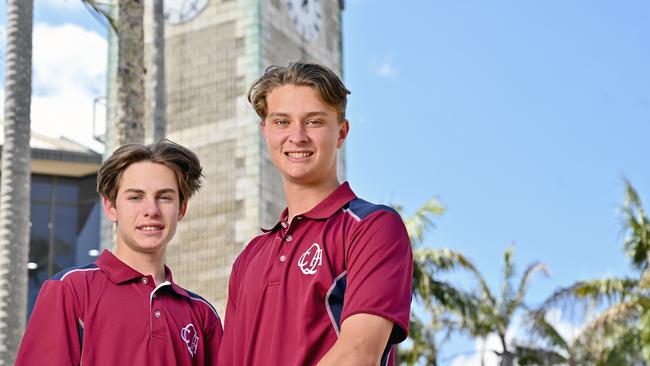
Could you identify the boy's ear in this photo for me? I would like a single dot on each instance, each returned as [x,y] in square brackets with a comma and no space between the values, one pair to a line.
[110,210]
[262,127]
[344,129]
[182,210]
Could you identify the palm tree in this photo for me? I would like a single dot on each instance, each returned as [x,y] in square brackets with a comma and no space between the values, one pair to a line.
[15,180]
[158,104]
[438,298]
[620,333]
[551,348]
[495,315]
[129,112]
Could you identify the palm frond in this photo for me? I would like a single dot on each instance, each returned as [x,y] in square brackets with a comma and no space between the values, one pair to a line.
[103,11]
[444,259]
[523,285]
[530,355]
[507,291]
[545,330]
[611,320]
[598,291]
[421,221]
[636,228]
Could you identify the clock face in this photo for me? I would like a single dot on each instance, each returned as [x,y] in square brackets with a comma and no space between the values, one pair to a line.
[307,17]
[180,11]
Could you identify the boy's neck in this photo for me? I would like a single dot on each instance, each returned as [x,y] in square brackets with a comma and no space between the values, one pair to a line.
[302,198]
[146,263]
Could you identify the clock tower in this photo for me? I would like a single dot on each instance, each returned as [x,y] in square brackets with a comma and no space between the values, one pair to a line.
[214,50]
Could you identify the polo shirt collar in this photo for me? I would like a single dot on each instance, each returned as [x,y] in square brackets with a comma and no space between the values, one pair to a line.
[120,272]
[326,208]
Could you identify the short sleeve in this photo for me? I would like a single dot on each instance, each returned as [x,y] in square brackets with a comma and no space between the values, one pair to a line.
[380,271]
[213,337]
[226,356]
[54,331]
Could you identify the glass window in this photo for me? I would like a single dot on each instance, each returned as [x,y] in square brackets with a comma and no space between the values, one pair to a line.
[41,188]
[56,242]
[67,191]
[65,234]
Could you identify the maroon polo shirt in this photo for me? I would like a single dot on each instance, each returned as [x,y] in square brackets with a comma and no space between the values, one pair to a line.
[292,287]
[107,313]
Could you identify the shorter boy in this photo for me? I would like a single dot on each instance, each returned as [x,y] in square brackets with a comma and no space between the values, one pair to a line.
[125,308]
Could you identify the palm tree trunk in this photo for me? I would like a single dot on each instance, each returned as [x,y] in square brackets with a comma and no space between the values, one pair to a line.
[129,113]
[483,340]
[15,180]
[507,357]
[158,100]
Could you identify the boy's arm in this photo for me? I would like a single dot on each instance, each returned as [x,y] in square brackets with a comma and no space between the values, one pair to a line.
[362,341]
[54,331]
[378,291]
[213,341]
[226,351]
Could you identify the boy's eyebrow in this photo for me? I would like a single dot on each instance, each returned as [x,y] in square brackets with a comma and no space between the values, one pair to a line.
[140,191]
[308,114]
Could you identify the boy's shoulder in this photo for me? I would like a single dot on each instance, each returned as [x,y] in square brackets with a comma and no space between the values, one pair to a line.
[360,209]
[202,302]
[69,273]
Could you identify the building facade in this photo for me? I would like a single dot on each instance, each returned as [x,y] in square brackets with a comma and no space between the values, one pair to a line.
[64,209]
[214,50]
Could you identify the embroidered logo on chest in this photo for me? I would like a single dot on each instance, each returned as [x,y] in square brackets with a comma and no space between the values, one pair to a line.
[311,259]
[191,338]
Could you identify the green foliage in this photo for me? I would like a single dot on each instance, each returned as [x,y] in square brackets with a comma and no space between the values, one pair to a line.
[636,228]
[620,333]
[102,11]
[438,298]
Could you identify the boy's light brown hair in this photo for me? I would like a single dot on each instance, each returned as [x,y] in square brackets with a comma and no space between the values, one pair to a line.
[319,77]
[181,160]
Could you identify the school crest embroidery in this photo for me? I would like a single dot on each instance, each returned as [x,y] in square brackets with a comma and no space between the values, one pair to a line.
[311,259]
[191,338]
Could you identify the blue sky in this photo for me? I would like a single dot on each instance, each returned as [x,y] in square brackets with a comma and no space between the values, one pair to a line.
[522,119]
[521,116]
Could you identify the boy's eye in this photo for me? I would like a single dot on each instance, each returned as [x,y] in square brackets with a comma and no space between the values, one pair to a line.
[281,122]
[133,198]
[314,122]
[165,197]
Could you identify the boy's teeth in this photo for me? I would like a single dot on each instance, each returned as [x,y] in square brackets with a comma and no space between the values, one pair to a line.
[299,154]
[150,228]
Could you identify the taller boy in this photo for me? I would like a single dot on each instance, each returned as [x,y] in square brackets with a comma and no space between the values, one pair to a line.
[330,283]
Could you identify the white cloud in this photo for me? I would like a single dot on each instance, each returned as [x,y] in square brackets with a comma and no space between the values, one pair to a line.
[69,73]
[385,68]
[486,350]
